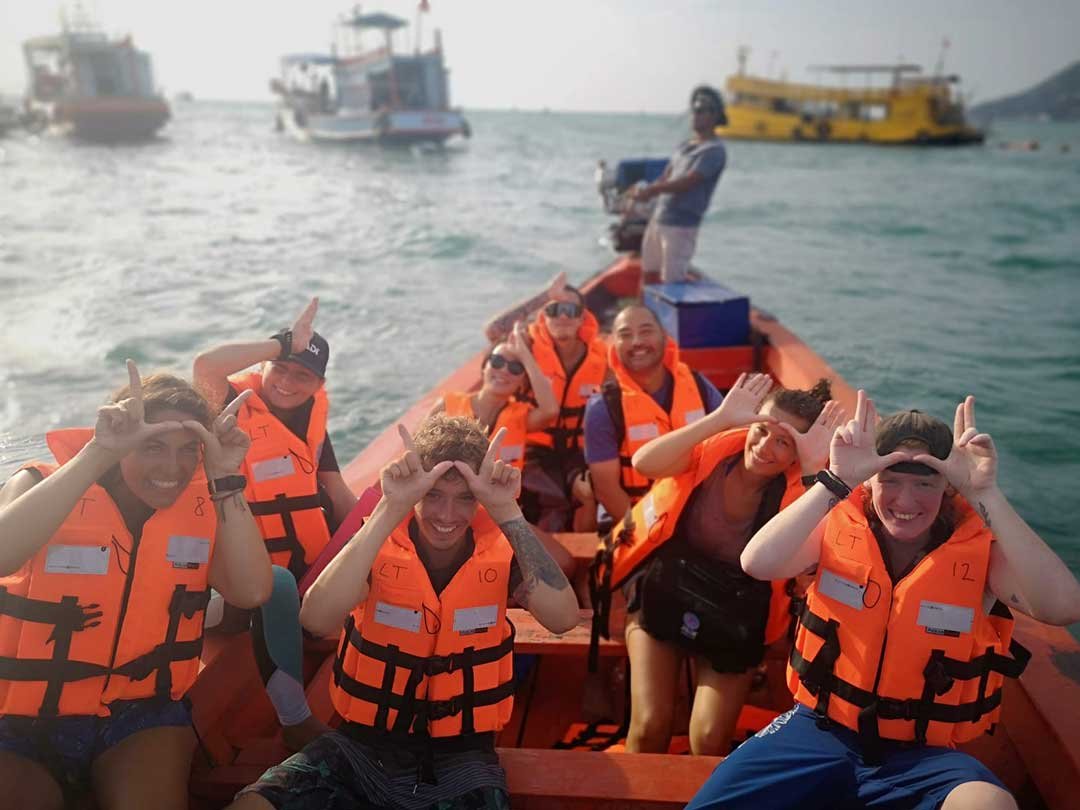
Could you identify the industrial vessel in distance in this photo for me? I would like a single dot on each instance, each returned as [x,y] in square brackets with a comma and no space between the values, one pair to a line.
[85,84]
[875,104]
[360,94]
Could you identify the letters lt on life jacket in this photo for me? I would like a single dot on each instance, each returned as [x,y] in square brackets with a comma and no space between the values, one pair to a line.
[918,659]
[411,661]
[643,419]
[573,386]
[97,615]
[654,519]
[282,478]
[512,416]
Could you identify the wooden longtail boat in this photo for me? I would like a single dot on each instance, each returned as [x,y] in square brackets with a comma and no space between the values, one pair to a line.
[1035,749]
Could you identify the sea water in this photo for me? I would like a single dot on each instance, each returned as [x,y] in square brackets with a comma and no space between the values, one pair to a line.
[920,274]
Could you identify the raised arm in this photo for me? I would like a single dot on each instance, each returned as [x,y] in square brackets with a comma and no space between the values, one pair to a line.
[544,591]
[212,368]
[31,512]
[343,584]
[671,453]
[790,543]
[547,407]
[240,569]
[1024,572]
[501,325]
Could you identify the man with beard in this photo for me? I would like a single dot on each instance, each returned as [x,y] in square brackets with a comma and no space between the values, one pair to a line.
[652,394]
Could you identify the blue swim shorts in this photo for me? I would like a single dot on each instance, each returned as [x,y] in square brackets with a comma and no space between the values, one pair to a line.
[794,763]
[68,746]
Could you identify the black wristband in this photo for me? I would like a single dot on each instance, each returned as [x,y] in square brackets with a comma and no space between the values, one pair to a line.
[227,483]
[832,482]
[808,480]
[284,338]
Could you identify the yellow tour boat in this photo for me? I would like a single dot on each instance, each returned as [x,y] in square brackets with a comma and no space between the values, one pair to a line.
[909,108]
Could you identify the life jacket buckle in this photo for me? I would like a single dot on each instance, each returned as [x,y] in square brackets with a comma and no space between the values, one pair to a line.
[441,709]
[936,676]
[438,665]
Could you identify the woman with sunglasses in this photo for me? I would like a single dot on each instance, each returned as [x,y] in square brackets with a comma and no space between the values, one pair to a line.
[509,371]
[685,190]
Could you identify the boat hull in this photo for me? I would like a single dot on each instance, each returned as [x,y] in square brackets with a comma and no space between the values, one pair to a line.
[404,126]
[107,120]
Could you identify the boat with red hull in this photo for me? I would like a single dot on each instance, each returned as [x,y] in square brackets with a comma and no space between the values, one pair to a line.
[1035,749]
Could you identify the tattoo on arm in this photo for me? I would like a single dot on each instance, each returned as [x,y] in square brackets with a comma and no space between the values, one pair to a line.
[833,501]
[535,563]
[985,515]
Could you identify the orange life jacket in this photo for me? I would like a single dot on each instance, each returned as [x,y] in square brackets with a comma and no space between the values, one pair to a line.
[572,387]
[642,419]
[94,613]
[282,478]
[915,660]
[412,661]
[513,417]
[654,518]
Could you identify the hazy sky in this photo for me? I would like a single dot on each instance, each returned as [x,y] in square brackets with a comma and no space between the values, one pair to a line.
[584,54]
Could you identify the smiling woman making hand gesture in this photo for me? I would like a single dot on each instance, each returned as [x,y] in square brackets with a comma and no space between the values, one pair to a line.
[107,559]
[905,639]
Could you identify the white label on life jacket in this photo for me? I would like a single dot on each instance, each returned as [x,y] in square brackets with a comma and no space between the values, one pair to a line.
[842,590]
[643,432]
[271,468]
[511,452]
[943,619]
[648,511]
[475,619]
[693,416]
[77,560]
[587,390]
[188,552]
[399,617]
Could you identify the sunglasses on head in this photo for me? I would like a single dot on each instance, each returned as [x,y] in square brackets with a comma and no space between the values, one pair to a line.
[570,309]
[513,366]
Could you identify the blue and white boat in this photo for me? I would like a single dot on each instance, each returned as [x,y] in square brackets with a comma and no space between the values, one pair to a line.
[361,94]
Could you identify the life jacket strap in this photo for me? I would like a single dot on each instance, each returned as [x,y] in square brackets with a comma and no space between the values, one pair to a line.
[67,618]
[186,604]
[939,676]
[286,506]
[413,714]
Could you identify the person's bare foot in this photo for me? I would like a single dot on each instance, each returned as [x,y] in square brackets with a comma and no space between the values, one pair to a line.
[296,737]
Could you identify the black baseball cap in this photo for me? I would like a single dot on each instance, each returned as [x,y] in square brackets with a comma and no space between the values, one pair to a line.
[315,355]
[710,96]
[917,426]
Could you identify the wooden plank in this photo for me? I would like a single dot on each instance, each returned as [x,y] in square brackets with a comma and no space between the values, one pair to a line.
[581,545]
[603,779]
[534,638]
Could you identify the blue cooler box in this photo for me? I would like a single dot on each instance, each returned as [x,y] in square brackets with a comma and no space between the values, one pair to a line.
[701,315]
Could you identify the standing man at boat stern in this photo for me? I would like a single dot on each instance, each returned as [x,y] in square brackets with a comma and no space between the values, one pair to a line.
[424,675]
[684,190]
[294,486]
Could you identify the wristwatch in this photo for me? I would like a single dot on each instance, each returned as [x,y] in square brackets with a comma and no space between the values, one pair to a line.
[809,480]
[284,337]
[831,481]
[225,484]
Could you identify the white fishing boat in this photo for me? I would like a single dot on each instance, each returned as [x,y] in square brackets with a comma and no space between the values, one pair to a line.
[359,93]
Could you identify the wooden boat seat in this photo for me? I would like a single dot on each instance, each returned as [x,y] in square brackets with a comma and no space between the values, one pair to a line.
[533,638]
[580,779]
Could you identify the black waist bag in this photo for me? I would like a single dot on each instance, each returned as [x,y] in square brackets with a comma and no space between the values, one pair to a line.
[709,608]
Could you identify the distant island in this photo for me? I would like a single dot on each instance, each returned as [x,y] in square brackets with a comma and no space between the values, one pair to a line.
[1056,99]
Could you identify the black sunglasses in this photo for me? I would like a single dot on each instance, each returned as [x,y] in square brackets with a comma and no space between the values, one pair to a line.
[568,308]
[513,366]
[708,108]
